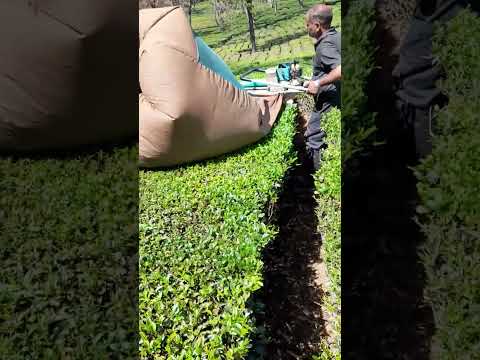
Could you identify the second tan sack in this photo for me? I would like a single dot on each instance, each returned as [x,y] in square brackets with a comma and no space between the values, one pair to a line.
[187,111]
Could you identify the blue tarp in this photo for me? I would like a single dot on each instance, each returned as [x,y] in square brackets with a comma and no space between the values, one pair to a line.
[209,59]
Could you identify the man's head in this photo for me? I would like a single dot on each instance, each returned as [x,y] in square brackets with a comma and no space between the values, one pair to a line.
[318,19]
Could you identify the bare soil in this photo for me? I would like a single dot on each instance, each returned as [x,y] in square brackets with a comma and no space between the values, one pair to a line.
[294,273]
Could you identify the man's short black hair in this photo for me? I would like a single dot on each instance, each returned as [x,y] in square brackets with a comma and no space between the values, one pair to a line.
[322,14]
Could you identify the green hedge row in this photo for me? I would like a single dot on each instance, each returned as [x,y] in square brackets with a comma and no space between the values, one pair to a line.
[202,229]
[448,185]
[357,65]
[328,194]
[68,250]
[347,133]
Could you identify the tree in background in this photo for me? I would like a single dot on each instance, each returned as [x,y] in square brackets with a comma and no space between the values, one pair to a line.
[274,4]
[219,10]
[221,7]
[248,6]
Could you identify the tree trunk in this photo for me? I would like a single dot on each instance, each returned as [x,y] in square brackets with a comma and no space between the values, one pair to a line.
[251,24]
[187,7]
[301,3]
[273,4]
[216,13]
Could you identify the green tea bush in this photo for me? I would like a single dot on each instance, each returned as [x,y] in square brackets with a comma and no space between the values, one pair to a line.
[347,132]
[357,65]
[448,186]
[202,229]
[328,187]
[68,249]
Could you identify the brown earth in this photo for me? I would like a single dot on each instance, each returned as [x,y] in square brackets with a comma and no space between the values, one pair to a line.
[294,273]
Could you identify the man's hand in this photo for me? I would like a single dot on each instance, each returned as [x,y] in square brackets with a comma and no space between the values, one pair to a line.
[313,87]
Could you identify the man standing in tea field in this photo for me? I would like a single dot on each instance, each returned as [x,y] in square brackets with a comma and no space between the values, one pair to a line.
[325,82]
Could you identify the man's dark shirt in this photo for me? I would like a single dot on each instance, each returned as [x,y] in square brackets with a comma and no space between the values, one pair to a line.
[327,53]
[327,57]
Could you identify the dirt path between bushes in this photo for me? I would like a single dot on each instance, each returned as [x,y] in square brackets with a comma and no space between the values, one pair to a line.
[294,273]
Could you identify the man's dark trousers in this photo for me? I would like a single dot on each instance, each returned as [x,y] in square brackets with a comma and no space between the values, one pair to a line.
[327,57]
[314,135]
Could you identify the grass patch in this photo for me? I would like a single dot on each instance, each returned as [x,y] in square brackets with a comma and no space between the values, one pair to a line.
[69,241]
[202,229]
[449,214]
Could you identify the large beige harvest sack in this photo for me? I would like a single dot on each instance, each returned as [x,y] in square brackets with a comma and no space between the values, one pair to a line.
[188,112]
[67,73]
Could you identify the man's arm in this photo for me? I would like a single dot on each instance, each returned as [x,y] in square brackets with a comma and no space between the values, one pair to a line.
[332,76]
[315,85]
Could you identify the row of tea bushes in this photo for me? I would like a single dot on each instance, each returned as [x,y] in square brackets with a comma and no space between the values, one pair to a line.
[448,186]
[202,230]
